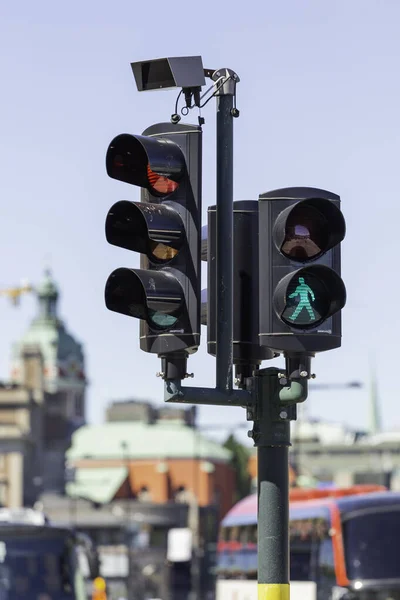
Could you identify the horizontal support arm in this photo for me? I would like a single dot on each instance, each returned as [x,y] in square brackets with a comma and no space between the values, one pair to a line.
[174,392]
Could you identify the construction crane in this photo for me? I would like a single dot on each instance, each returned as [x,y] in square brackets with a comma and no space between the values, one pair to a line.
[14,293]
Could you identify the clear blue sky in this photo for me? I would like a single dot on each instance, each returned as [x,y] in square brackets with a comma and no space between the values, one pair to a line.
[319,98]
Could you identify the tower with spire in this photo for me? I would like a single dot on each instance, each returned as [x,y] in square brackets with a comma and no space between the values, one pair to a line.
[61,383]
[63,359]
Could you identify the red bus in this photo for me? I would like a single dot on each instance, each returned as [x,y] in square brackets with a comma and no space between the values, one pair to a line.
[344,545]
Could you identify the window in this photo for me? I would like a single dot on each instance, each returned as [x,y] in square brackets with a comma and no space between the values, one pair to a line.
[252,534]
[243,535]
[158,537]
[326,569]
[233,534]
[2,463]
[144,494]
[79,406]
[223,536]
[325,559]
[371,540]
[300,563]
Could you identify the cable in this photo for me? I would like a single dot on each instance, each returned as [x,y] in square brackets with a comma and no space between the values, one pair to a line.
[175,118]
[177,100]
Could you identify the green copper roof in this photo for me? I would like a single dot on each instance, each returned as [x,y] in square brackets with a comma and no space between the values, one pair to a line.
[53,340]
[161,440]
[99,485]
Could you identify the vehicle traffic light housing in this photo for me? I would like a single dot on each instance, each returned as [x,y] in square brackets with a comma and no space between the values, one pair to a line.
[301,290]
[165,228]
[247,350]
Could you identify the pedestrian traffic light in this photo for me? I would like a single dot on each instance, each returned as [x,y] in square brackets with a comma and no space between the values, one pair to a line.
[301,290]
[247,351]
[165,228]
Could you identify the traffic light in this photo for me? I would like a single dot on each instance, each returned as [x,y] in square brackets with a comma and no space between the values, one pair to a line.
[301,290]
[165,228]
[247,351]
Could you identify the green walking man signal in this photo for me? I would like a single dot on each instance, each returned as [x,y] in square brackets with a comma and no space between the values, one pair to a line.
[304,291]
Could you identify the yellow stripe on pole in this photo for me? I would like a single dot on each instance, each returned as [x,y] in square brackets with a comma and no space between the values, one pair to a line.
[273,591]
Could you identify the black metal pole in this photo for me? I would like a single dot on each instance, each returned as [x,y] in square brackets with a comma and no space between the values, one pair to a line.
[224,227]
[271,434]
[273,521]
[223,394]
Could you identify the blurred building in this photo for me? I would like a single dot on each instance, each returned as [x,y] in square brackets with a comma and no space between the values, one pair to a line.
[330,453]
[150,454]
[134,410]
[150,490]
[41,406]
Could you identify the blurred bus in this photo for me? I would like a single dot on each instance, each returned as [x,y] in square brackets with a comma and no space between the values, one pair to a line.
[344,545]
[41,561]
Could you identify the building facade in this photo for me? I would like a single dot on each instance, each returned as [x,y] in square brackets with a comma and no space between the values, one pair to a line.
[331,454]
[42,404]
[157,461]
[139,479]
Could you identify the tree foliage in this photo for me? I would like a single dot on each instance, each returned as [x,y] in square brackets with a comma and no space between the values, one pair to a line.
[239,461]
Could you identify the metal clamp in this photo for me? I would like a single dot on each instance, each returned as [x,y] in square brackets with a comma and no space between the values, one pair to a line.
[226,81]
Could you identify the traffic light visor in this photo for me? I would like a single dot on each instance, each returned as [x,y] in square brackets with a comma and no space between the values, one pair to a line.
[156,230]
[156,297]
[308,229]
[154,163]
[307,297]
